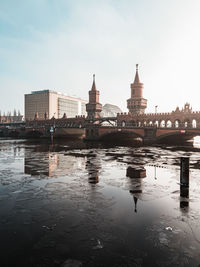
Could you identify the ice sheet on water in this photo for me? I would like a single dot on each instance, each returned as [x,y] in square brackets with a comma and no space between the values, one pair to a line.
[61,194]
[72,263]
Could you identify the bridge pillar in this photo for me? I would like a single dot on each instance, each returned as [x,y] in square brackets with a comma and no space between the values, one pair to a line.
[149,136]
[92,133]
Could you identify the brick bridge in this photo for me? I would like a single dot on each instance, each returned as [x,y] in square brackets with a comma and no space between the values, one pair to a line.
[177,125]
[149,127]
[147,135]
[40,127]
[180,124]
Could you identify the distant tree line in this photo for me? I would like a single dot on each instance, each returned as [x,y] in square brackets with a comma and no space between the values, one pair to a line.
[9,113]
[10,117]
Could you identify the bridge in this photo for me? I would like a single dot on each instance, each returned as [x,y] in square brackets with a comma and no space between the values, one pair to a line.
[148,135]
[40,128]
[178,125]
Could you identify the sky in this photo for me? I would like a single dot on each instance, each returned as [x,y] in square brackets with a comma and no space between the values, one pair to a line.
[60,44]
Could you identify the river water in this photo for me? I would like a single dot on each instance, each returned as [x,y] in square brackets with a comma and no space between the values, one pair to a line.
[72,203]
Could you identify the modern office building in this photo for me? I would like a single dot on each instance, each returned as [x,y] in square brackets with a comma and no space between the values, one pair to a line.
[53,104]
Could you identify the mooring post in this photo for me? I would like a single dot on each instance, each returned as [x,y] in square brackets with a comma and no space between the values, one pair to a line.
[184,175]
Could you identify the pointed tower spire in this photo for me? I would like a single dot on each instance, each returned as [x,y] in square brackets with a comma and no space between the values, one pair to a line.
[93,108]
[136,104]
[94,84]
[137,79]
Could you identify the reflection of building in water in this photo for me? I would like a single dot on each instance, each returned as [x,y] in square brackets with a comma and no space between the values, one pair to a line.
[16,151]
[135,201]
[46,165]
[93,166]
[51,163]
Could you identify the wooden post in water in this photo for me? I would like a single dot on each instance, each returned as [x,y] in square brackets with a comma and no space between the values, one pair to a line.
[184,177]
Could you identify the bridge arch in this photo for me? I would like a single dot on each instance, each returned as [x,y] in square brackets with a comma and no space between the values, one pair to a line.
[194,123]
[122,134]
[178,136]
[177,123]
[132,123]
[162,123]
[168,123]
[123,123]
[34,133]
[80,125]
[187,123]
[150,123]
[156,123]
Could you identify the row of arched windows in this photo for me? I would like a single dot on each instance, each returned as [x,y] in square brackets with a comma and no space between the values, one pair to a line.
[161,124]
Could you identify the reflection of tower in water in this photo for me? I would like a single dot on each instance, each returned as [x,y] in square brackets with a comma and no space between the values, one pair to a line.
[135,174]
[93,165]
[135,201]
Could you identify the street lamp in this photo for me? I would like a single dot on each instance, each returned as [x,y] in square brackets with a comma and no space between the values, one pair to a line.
[54,119]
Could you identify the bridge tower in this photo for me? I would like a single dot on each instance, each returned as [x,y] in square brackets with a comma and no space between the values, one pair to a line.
[93,108]
[136,104]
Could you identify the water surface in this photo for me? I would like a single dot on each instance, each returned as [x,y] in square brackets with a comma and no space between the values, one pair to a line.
[75,201]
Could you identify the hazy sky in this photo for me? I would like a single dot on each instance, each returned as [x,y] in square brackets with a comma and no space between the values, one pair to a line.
[59,44]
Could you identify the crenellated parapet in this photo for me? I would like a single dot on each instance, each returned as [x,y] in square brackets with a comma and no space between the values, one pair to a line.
[176,118]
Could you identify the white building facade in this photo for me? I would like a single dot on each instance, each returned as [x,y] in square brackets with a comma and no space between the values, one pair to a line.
[53,104]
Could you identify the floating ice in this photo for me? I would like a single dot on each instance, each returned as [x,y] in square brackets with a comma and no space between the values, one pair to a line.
[99,245]
[168,228]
